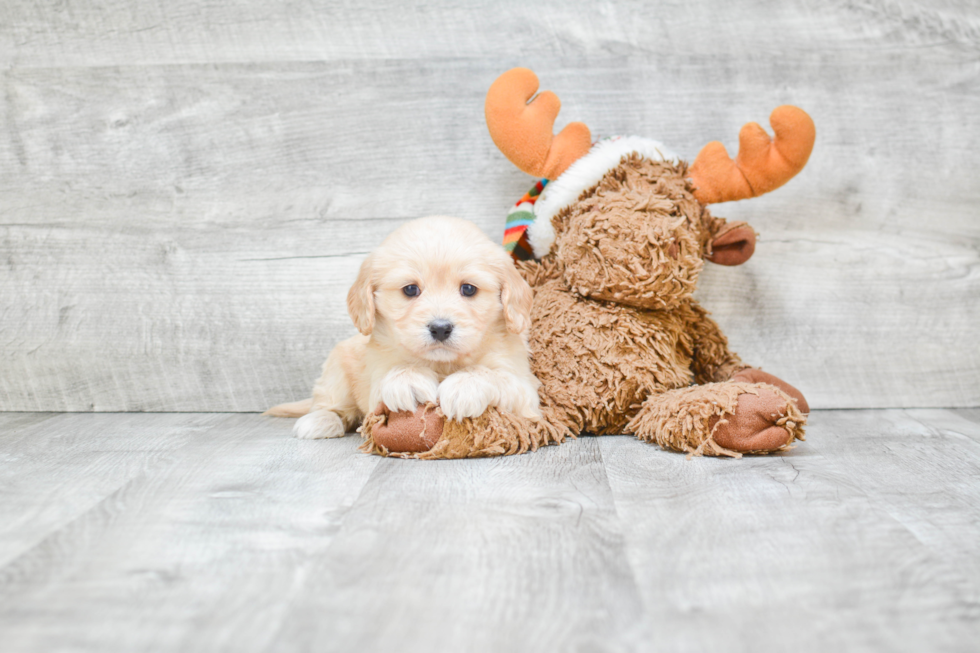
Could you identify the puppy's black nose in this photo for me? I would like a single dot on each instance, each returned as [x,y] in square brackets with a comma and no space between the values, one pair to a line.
[440,329]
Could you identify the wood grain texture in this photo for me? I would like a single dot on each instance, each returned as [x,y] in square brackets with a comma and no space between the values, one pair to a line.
[204,532]
[187,188]
[70,463]
[240,499]
[421,547]
[861,538]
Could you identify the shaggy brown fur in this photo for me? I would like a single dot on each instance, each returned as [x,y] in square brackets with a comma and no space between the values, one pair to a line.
[619,344]
[491,434]
[637,238]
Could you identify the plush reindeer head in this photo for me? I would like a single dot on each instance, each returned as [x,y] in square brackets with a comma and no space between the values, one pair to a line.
[625,220]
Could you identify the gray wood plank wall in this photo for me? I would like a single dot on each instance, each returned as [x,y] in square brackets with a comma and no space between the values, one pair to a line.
[187,188]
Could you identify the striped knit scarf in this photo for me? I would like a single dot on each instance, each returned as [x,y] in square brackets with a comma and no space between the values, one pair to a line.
[518,220]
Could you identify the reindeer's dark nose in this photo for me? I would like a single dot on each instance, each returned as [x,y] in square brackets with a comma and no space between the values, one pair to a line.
[440,329]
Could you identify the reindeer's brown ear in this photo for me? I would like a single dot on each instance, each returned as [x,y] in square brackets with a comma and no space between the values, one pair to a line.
[360,299]
[516,296]
[734,244]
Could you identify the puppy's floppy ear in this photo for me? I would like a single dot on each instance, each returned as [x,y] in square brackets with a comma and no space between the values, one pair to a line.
[516,296]
[360,299]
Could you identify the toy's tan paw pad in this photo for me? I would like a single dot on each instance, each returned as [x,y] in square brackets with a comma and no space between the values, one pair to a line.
[408,432]
[755,425]
[752,375]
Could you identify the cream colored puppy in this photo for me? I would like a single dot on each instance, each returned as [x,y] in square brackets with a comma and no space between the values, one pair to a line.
[443,316]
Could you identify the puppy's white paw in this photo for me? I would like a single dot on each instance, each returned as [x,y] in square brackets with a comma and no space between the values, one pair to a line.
[319,424]
[404,388]
[467,394]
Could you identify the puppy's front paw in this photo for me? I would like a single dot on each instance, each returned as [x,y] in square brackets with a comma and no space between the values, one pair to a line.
[467,394]
[319,424]
[404,388]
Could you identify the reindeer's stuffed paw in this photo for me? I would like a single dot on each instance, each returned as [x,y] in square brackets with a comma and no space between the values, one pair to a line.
[763,422]
[752,375]
[407,432]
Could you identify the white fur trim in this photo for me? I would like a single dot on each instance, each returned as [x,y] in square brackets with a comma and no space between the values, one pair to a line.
[582,175]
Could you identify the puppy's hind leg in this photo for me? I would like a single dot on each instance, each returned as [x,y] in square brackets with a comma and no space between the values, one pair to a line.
[333,409]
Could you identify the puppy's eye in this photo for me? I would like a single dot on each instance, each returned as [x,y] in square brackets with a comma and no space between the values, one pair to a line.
[467,290]
[411,290]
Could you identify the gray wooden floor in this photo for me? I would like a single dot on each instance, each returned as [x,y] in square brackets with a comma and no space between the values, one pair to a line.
[206,532]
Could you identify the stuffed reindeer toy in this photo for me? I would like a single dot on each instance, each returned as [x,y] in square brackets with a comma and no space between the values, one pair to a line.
[612,240]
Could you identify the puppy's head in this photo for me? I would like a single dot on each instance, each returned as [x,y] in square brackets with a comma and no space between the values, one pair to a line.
[436,287]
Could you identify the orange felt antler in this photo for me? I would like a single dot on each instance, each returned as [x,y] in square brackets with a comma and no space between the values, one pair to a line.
[523,131]
[762,165]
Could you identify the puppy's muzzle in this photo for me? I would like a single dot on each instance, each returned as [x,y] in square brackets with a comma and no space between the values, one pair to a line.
[440,329]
